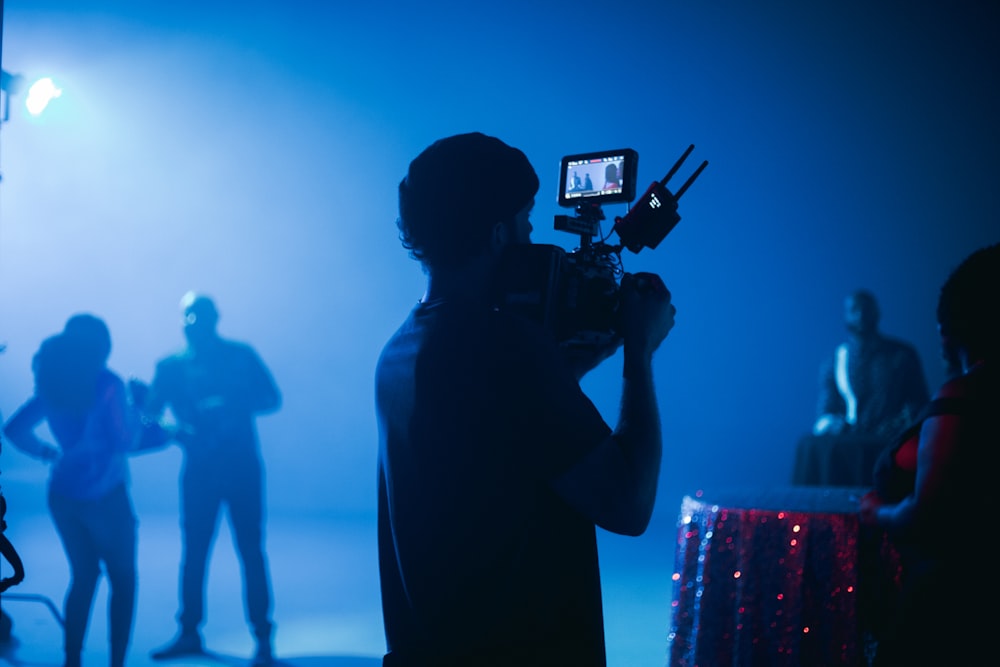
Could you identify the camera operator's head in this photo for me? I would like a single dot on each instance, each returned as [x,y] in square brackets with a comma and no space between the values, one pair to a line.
[459,195]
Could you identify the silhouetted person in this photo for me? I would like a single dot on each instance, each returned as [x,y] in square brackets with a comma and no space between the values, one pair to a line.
[9,554]
[611,179]
[215,388]
[494,467]
[870,389]
[872,384]
[87,410]
[935,488]
[587,183]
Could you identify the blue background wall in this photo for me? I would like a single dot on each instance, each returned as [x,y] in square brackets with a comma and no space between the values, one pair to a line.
[252,150]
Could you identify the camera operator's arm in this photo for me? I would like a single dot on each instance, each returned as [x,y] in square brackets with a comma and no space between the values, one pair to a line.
[615,484]
[584,358]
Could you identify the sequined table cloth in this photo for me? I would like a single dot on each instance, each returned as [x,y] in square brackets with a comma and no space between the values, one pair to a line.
[772,578]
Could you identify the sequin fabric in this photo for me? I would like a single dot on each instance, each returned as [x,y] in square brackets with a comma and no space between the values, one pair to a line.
[770,578]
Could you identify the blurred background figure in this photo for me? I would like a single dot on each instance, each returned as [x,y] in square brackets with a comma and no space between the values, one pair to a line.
[872,384]
[871,388]
[932,487]
[215,388]
[87,410]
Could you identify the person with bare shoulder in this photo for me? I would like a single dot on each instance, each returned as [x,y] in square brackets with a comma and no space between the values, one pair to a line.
[934,489]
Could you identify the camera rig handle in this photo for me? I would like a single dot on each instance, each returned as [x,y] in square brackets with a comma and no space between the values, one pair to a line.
[655,214]
[586,223]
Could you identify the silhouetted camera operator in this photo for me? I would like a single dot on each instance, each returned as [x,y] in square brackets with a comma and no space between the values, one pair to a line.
[494,466]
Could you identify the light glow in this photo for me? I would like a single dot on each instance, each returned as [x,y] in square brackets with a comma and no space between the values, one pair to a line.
[40,94]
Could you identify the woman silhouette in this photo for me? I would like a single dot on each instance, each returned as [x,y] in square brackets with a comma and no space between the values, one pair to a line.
[88,413]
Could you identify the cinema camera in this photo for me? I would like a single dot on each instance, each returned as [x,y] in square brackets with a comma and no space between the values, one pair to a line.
[575,294]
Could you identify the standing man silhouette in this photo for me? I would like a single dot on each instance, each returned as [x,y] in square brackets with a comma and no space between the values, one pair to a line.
[215,388]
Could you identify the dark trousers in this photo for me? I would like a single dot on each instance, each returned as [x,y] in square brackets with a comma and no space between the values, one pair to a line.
[207,487]
[94,532]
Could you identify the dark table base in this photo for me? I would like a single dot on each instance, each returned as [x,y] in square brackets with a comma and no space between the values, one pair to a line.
[836,460]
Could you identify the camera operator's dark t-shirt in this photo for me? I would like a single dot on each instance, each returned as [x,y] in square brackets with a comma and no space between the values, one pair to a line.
[481,562]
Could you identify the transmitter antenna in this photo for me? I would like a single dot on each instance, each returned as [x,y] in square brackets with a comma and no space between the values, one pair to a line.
[690,180]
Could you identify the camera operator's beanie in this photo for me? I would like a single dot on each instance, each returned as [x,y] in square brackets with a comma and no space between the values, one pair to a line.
[462,181]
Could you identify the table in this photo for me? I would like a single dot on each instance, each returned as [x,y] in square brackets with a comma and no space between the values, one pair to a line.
[775,577]
[836,460]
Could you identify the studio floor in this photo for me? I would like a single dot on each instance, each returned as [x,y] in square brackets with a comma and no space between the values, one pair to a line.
[326,597]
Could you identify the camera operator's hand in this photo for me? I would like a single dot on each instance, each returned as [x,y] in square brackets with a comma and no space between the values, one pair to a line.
[647,315]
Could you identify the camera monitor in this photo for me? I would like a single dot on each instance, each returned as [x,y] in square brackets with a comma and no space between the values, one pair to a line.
[606,177]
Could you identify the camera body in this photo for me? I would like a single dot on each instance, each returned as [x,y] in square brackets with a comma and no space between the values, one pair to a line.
[575,294]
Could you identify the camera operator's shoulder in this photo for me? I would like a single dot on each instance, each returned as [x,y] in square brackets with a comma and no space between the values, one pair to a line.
[518,326]
[522,341]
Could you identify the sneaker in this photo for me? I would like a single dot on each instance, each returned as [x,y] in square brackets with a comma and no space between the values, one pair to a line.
[187,643]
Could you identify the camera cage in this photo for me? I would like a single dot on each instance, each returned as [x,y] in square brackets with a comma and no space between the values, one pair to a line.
[646,224]
[575,294]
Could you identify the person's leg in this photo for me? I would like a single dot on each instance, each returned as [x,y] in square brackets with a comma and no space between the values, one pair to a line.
[200,504]
[246,514]
[85,571]
[115,532]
